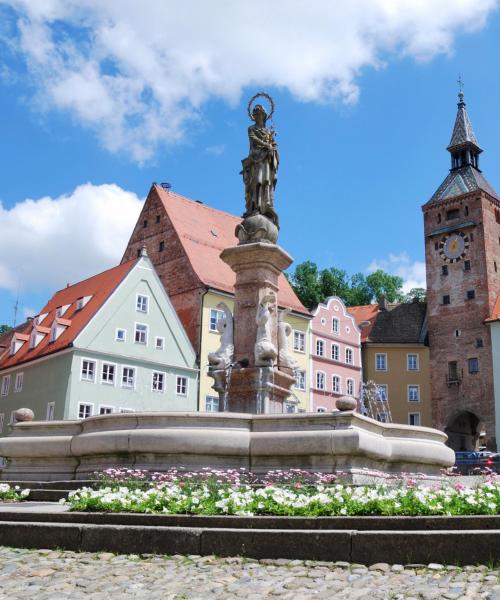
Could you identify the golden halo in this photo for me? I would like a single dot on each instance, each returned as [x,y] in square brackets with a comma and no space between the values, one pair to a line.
[261,95]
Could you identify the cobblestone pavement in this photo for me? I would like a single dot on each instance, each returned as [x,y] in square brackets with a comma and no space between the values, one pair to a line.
[48,574]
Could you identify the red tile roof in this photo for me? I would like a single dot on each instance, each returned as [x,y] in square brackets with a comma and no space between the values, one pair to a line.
[365,317]
[204,232]
[99,287]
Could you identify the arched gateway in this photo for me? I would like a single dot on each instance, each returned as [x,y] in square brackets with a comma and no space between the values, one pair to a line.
[463,431]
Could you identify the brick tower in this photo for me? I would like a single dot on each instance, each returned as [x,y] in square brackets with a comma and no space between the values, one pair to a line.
[462,253]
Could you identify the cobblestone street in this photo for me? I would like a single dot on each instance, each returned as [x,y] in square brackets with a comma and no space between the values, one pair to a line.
[47,574]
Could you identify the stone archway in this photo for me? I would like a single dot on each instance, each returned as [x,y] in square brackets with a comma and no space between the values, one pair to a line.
[463,431]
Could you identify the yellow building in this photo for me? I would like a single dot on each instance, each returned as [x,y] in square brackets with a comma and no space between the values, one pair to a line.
[210,340]
[395,356]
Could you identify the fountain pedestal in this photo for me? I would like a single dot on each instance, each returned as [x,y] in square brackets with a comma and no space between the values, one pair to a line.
[252,385]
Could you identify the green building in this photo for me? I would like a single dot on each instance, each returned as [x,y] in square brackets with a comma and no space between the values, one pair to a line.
[110,343]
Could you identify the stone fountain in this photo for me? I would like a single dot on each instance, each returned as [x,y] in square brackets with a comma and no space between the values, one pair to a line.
[253,373]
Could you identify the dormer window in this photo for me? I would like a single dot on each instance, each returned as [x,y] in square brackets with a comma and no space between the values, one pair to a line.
[17,342]
[60,310]
[83,301]
[37,320]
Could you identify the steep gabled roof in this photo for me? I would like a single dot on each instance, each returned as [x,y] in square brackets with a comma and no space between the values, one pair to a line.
[399,323]
[463,133]
[204,233]
[495,313]
[98,288]
[365,317]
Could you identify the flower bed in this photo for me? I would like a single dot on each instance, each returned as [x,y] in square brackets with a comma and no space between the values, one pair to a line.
[13,494]
[292,493]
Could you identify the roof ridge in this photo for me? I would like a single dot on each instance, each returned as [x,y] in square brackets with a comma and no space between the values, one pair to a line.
[68,287]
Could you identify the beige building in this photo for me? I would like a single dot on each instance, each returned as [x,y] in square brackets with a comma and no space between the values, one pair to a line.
[395,355]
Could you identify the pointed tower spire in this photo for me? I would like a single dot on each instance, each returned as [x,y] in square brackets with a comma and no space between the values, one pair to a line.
[463,145]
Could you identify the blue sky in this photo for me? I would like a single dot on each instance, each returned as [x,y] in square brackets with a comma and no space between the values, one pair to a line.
[91,114]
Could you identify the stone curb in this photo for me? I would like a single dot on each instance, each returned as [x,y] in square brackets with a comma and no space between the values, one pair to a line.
[432,523]
[366,547]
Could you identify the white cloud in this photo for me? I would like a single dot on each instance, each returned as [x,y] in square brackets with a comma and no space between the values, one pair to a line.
[412,272]
[49,242]
[137,73]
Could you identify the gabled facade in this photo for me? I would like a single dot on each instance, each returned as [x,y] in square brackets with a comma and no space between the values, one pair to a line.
[111,343]
[335,355]
[395,356]
[184,239]
[462,250]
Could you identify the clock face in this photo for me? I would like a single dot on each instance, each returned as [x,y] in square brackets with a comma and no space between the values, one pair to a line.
[453,247]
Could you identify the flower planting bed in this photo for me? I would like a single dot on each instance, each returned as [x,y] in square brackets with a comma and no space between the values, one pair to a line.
[12,493]
[285,515]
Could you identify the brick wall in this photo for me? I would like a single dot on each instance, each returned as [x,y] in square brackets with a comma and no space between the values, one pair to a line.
[155,230]
[455,328]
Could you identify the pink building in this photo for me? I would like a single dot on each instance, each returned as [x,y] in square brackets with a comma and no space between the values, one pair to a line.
[335,355]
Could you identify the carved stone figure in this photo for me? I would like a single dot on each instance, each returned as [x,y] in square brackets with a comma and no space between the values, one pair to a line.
[285,359]
[261,165]
[265,351]
[223,357]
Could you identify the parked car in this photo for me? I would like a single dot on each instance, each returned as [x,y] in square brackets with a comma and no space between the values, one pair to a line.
[466,462]
[492,462]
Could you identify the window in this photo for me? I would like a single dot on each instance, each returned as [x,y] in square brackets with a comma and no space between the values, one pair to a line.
[215,315]
[84,411]
[414,419]
[88,370]
[412,362]
[145,223]
[471,294]
[479,342]
[105,410]
[466,265]
[142,303]
[466,211]
[159,343]
[452,214]
[444,270]
[382,393]
[473,364]
[290,408]
[300,380]
[457,332]
[471,237]
[79,304]
[2,419]
[161,247]
[299,341]
[335,352]
[128,377]
[336,384]
[348,356]
[157,218]
[446,299]
[453,371]
[158,383]
[350,387]
[320,348]
[436,245]
[108,373]
[439,217]
[141,333]
[413,393]
[5,385]
[51,409]
[121,335]
[212,403]
[18,384]
[335,325]
[181,386]
[320,380]
[382,417]
[380,362]
[321,409]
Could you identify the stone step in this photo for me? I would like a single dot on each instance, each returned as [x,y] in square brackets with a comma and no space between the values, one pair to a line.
[364,547]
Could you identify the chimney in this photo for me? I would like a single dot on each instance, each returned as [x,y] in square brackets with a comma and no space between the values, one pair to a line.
[382,304]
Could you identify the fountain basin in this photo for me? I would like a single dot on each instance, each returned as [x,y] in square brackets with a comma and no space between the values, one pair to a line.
[344,440]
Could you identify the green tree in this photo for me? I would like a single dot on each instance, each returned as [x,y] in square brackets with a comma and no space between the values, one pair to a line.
[416,293]
[5,329]
[381,284]
[313,286]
